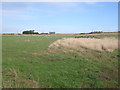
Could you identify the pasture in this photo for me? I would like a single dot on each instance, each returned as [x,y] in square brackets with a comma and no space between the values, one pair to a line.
[28,63]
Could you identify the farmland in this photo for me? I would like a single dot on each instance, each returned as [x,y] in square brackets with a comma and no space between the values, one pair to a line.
[28,63]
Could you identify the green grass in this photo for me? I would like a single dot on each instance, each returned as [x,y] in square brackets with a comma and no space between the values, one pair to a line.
[27,63]
[102,36]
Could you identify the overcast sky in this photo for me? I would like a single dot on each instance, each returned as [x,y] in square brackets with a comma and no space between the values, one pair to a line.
[66,17]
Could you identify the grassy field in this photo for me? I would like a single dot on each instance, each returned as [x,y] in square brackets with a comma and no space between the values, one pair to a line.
[27,63]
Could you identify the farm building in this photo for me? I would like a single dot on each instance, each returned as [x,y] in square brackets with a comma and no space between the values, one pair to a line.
[51,32]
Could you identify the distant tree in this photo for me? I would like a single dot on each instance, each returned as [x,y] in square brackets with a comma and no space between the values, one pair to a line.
[30,32]
[43,33]
[19,34]
[36,33]
[95,32]
[82,33]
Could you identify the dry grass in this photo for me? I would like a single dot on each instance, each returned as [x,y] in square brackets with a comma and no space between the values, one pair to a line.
[27,40]
[107,44]
[40,53]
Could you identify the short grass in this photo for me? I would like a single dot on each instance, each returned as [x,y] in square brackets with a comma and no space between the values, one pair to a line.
[28,64]
[107,35]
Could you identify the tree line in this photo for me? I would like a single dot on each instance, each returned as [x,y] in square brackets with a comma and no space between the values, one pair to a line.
[30,32]
[33,32]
